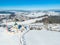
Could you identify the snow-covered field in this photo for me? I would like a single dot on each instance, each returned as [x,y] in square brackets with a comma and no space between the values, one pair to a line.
[45,36]
[32,37]
[42,37]
[7,38]
[54,27]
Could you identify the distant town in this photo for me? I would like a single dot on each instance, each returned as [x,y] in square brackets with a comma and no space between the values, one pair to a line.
[26,15]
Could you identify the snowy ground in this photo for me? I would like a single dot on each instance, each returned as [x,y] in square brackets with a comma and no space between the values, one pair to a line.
[42,37]
[32,37]
[7,38]
[54,27]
